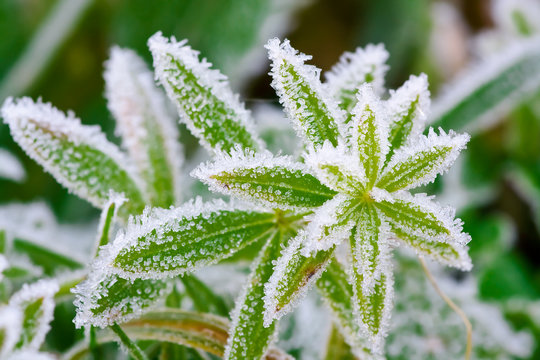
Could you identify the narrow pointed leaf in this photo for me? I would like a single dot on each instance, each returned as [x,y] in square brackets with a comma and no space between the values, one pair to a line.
[331,223]
[37,305]
[11,318]
[337,348]
[249,338]
[78,156]
[484,93]
[202,96]
[315,115]
[368,246]
[148,131]
[365,65]
[372,309]
[50,260]
[294,273]
[419,163]
[273,181]
[105,299]
[164,243]
[106,221]
[450,253]
[204,299]
[407,108]
[336,290]
[370,133]
[419,215]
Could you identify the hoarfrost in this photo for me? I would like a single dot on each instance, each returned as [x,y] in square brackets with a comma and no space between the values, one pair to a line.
[11,168]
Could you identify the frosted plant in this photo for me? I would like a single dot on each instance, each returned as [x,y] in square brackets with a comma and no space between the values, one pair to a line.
[11,168]
[366,165]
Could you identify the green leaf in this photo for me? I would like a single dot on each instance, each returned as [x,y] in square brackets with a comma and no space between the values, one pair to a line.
[370,133]
[132,349]
[148,131]
[106,220]
[365,65]
[337,348]
[419,163]
[337,292]
[37,305]
[78,156]
[448,253]
[104,299]
[202,96]
[249,338]
[368,246]
[165,243]
[204,299]
[294,273]
[372,308]
[407,107]
[486,92]
[315,114]
[278,182]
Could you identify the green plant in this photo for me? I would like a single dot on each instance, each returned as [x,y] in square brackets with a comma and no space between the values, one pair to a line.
[331,218]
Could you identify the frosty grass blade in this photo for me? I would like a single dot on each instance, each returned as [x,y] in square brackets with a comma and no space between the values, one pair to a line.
[421,162]
[10,328]
[487,91]
[248,338]
[293,275]
[78,156]
[337,293]
[373,309]
[365,65]
[369,247]
[106,220]
[164,243]
[10,167]
[202,96]
[315,115]
[278,182]
[370,133]
[36,302]
[407,111]
[104,299]
[148,131]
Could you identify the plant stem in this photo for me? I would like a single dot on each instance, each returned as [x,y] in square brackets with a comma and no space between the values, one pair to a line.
[93,345]
[132,348]
[453,306]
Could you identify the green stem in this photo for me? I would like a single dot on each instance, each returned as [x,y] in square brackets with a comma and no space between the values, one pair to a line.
[132,348]
[93,345]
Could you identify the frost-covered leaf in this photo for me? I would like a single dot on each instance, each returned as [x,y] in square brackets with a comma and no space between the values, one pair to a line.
[336,290]
[279,182]
[365,65]
[248,338]
[420,215]
[106,220]
[148,131]
[330,224]
[164,243]
[294,273]
[10,167]
[485,92]
[369,247]
[10,328]
[204,299]
[78,156]
[420,162]
[202,96]
[104,299]
[370,133]
[36,304]
[314,113]
[407,110]
[373,308]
